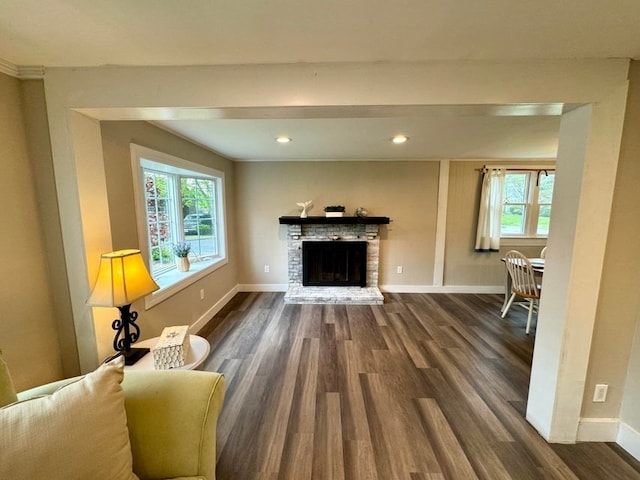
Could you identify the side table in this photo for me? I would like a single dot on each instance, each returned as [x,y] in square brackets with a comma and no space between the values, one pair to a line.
[198,351]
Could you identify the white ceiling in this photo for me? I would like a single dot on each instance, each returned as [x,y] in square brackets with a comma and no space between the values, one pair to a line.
[339,133]
[208,32]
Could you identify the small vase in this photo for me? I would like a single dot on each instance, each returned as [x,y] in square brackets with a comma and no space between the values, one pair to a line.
[183,264]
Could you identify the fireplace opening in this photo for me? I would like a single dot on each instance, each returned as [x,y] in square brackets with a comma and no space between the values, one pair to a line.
[334,264]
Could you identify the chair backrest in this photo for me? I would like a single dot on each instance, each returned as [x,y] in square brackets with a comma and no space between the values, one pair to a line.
[543,253]
[523,281]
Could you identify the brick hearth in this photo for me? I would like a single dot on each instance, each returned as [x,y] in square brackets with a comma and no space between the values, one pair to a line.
[341,232]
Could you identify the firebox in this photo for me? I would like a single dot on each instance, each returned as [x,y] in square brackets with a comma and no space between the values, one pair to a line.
[334,264]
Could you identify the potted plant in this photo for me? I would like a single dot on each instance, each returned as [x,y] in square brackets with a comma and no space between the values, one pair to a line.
[334,210]
[181,251]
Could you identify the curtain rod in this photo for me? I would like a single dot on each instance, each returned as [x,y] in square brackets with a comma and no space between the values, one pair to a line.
[538,169]
[532,168]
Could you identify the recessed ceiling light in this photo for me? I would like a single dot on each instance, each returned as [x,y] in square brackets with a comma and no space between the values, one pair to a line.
[399,139]
[283,139]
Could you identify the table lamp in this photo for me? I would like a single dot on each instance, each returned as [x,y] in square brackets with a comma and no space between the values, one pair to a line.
[123,279]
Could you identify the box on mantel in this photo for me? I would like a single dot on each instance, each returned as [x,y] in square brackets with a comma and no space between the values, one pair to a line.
[172,348]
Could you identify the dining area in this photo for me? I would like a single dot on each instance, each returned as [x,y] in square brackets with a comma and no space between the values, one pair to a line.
[523,280]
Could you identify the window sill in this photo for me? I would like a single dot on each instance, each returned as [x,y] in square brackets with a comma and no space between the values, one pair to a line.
[523,241]
[173,281]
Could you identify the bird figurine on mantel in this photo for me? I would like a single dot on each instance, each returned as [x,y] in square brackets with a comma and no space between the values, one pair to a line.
[305,206]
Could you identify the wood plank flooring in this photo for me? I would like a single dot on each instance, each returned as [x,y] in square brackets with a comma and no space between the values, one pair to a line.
[424,387]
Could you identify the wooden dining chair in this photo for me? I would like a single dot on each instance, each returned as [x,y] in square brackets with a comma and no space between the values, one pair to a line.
[523,282]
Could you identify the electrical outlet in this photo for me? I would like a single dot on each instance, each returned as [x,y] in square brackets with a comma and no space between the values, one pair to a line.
[600,392]
[399,269]
[266,269]
[202,294]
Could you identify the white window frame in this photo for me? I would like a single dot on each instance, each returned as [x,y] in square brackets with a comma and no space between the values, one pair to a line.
[532,208]
[172,281]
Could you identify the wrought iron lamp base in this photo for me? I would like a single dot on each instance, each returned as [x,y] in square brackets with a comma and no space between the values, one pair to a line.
[127,332]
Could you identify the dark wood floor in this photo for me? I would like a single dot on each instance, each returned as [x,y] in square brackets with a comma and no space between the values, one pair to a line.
[423,387]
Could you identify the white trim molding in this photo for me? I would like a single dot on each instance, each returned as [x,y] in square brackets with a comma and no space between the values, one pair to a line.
[629,439]
[30,72]
[441,223]
[597,429]
[209,314]
[478,289]
[23,72]
[9,68]
[263,287]
[610,430]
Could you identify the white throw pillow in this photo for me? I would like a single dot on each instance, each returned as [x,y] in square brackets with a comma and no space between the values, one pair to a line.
[77,433]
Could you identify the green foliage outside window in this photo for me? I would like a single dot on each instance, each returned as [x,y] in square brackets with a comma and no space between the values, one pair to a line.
[524,199]
[164,252]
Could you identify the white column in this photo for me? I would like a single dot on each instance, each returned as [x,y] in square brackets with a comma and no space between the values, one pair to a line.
[583,194]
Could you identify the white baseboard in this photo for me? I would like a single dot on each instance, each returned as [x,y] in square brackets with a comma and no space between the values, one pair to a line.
[263,287]
[609,430]
[209,314]
[480,289]
[629,439]
[598,429]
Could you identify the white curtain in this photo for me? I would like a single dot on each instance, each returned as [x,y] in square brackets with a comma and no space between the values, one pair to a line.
[490,213]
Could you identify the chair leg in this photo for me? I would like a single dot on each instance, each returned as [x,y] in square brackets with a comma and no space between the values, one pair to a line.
[531,300]
[506,309]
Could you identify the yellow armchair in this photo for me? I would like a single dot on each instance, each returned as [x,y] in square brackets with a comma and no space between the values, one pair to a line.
[172,417]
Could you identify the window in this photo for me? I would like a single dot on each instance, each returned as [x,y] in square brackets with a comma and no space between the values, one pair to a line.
[527,203]
[178,201]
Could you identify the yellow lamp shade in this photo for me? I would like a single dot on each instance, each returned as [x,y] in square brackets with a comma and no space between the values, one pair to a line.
[122,279]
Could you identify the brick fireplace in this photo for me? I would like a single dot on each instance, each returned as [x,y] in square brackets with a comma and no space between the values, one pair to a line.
[332,229]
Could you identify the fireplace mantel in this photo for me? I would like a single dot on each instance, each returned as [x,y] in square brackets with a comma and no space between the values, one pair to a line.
[321,220]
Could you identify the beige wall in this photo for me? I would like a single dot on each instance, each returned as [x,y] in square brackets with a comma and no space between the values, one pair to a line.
[28,328]
[619,302]
[185,307]
[406,192]
[463,265]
